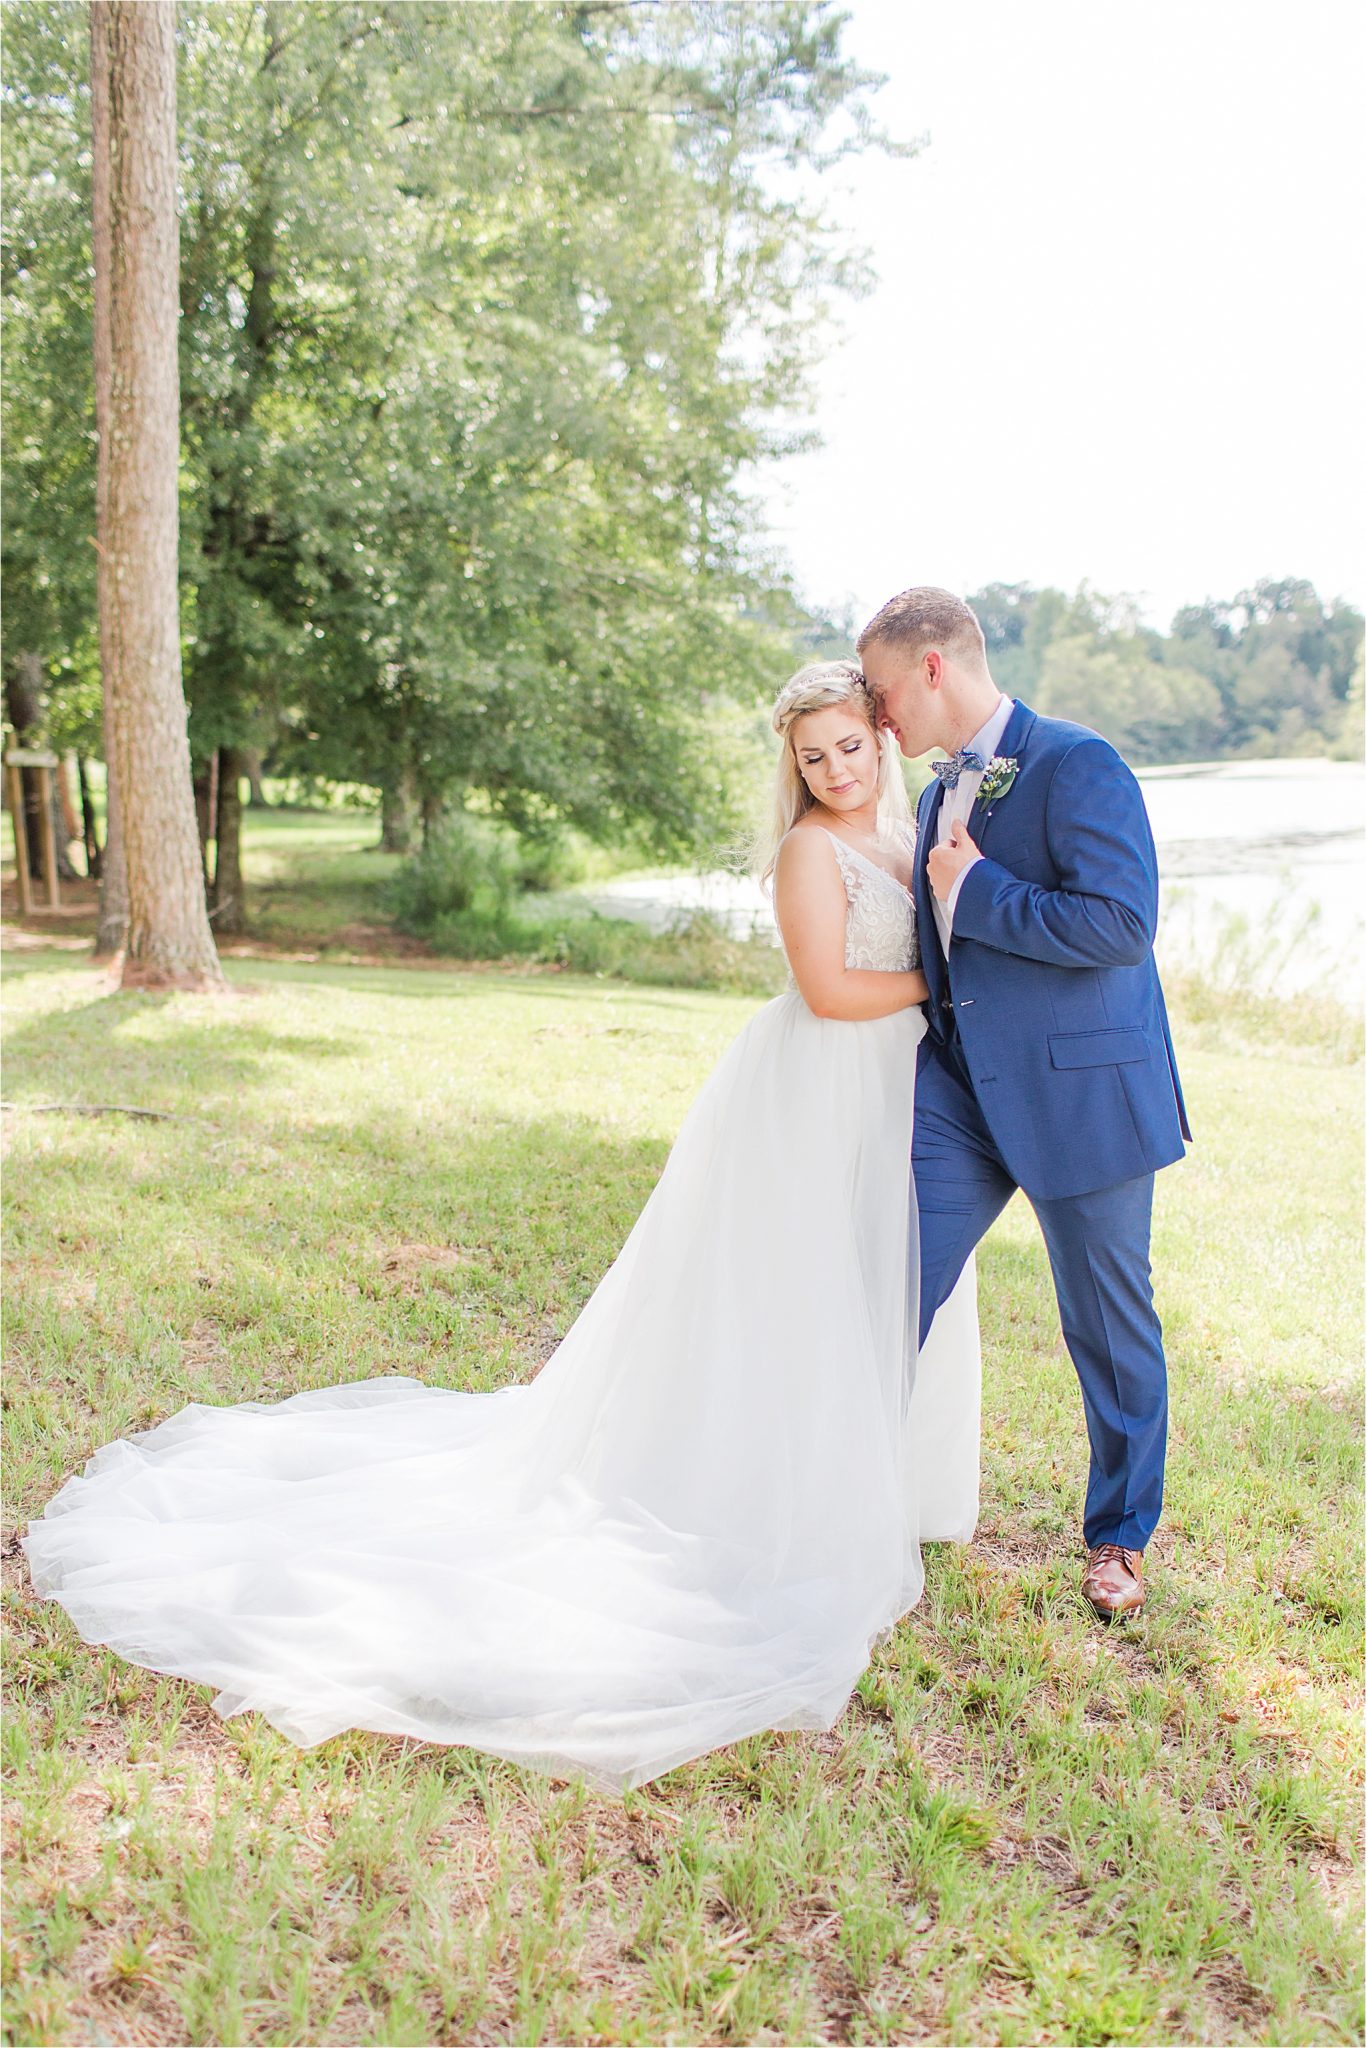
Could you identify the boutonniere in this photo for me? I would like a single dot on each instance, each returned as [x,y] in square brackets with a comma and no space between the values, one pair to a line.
[1001,771]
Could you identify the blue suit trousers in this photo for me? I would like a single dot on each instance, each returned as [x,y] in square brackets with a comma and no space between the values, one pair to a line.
[1098,1249]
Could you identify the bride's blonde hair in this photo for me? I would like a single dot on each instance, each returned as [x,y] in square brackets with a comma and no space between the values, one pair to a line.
[815,688]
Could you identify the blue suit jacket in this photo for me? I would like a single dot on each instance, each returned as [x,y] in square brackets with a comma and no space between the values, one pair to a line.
[1059,1009]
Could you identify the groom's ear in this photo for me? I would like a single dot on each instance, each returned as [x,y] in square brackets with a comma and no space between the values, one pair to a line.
[934,667]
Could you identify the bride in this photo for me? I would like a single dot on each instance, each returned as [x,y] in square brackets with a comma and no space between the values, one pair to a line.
[696,1520]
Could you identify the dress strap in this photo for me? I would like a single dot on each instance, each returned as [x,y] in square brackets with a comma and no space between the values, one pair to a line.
[851,861]
[846,860]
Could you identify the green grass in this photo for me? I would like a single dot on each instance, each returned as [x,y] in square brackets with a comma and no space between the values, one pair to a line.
[315,878]
[1024,1829]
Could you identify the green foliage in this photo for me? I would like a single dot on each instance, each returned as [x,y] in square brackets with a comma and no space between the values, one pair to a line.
[551,860]
[47,402]
[469,866]
[1352,737]
[1281,661]
[474,893]
[484,311]
[1269,673]
[695,951]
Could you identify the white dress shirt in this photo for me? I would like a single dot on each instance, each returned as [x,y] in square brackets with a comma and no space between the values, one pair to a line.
[956,805]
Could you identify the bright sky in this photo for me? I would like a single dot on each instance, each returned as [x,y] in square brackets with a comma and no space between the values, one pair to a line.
[1119,331]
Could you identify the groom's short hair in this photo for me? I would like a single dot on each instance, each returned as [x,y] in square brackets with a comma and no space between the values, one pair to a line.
[925,617]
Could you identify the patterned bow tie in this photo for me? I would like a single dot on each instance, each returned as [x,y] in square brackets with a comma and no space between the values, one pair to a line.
[949,771]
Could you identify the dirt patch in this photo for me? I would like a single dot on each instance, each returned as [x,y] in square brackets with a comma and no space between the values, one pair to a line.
[405,1259]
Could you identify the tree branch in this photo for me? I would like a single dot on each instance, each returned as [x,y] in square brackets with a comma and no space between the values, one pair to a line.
[165,1116]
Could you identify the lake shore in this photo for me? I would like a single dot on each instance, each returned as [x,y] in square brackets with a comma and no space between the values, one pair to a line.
[1262,863]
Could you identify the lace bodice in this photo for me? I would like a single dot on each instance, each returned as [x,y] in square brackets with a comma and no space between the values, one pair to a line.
[880,930]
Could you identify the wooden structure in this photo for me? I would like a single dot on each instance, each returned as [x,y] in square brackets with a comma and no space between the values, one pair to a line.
[16,760]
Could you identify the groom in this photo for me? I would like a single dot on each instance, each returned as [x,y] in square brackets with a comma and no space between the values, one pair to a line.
[1048,1063]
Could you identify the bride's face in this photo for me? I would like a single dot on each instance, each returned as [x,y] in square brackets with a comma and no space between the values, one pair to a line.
[837,757]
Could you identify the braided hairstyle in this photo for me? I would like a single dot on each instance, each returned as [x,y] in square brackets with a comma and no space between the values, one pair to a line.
[815,688]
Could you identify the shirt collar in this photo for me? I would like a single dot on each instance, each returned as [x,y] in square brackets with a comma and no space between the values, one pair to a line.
[989,738]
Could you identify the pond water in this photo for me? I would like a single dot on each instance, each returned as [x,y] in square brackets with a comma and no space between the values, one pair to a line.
[1263,867]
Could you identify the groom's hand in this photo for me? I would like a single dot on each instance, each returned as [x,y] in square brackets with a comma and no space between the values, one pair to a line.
[947,862]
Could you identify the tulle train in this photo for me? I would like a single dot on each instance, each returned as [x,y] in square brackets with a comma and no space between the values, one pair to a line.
[691,1526]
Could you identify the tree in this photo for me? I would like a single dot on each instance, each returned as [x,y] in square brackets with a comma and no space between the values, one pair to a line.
[471,522]
[484,311]
[1266,673]
[1281,661]
[111,930]
[169,941]
[47,563]
[1351,736]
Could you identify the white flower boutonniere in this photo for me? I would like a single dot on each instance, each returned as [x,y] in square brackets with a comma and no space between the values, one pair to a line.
[1001,771]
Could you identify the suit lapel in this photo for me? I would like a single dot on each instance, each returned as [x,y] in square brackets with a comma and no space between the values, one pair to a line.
[1013,741]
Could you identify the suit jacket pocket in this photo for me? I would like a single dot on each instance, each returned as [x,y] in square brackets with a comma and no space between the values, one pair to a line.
[1098,1048]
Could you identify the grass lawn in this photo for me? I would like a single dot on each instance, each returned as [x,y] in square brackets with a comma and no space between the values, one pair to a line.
[314,877]
[1024,1829]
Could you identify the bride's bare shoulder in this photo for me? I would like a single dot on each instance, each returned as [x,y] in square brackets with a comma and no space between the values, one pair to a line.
[805,843]
[807,867]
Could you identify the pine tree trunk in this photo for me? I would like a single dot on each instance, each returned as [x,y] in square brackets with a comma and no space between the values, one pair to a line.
[397,814]
[92,843]
[229,904]
[206,807]
[169,940]
[71,824]
[433,817]
[111,926]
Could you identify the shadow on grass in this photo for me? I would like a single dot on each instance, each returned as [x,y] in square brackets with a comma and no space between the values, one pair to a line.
[28,965]
[92,1051]
[454,983]
[445,980]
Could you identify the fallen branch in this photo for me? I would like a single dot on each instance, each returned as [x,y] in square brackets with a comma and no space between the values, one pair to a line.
[164,1116]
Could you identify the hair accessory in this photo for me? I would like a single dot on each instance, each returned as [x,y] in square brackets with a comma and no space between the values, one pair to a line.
[835,677]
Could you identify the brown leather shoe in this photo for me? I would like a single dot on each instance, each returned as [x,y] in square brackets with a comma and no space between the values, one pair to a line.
[1113,1581]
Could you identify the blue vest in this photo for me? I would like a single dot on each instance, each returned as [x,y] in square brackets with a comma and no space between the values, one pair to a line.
[1053,989]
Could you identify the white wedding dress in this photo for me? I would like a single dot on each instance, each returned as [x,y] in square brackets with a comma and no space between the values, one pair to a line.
[689,1527]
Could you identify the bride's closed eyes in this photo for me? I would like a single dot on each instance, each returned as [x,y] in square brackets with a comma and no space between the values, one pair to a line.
[845,747]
